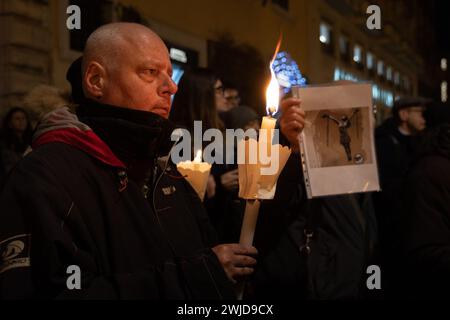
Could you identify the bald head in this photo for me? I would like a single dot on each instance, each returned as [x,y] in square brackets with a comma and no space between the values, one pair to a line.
[116,55]
[111,42]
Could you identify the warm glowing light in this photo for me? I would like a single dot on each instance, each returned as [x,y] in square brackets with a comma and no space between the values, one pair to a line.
[444,64]
[273,89]
[272,95]
[444,95]
[198,156]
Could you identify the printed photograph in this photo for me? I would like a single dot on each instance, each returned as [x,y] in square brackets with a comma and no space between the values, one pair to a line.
[338,137]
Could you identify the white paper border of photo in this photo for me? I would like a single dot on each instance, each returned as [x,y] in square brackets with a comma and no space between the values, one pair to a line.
[342,179]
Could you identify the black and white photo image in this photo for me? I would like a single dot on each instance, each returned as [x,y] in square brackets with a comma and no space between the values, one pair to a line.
[338,137]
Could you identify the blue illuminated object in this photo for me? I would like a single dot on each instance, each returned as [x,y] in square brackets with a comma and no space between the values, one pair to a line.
[287,72]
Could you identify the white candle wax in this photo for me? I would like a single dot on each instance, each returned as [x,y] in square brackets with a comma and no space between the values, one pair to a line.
[268,124]
[196,173]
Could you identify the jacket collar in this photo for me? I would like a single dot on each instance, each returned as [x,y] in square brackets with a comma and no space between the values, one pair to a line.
[132,135]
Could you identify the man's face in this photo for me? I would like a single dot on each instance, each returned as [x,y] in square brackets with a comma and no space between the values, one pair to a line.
[141,79]
[232,97]
[221,103]
[415,119]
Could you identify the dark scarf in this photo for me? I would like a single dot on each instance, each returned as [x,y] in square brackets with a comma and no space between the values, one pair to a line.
[136,137]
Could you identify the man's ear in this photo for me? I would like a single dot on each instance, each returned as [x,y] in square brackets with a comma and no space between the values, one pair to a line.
[403,115]
[94,80]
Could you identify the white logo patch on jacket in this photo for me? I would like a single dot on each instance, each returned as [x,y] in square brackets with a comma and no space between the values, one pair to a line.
[15,252]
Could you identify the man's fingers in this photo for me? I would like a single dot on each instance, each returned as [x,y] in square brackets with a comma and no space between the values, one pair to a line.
[243,250]
[293,126]
[242,272]
[237,248]
[295,110]
[289,103]
[295,117]
[243,261]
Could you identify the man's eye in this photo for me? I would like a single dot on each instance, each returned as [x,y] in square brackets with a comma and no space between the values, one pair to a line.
[151,71]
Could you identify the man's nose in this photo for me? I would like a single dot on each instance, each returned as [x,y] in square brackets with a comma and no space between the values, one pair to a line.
[169,86]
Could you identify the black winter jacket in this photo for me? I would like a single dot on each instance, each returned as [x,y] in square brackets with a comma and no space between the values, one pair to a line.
[424,264]
[64,206]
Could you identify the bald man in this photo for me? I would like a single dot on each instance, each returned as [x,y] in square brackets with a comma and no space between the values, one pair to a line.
[97,210]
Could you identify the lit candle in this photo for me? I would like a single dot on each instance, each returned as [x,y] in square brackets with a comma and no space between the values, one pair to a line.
[272,99]
[253,186]
[198,157]
[196,173]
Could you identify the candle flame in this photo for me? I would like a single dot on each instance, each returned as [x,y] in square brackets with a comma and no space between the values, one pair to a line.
[277,48]
[198,156]
[273,89]
[272,95]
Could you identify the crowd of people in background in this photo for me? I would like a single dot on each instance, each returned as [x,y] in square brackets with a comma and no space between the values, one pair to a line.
[307,249]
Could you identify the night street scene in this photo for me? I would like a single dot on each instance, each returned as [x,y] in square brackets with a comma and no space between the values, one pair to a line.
[236,154]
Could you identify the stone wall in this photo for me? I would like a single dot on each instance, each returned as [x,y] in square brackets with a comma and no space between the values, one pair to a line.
[24,49]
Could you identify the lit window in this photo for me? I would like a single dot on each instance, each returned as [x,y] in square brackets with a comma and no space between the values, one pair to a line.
[444,64]
[343,75]
[357,54]
[444,91]
[384,96]
[375,92]
[397,78]
[380,67]
[370,60]
[178,55]
[389,73]
[325,33]
[177,73]
[389,99]
[337,74]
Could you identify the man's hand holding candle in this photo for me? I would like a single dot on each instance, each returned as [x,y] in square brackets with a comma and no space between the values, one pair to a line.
[230,180]
[236,259]
[292,120]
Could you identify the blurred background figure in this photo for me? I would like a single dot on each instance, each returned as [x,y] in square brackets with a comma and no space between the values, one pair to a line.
[228,207]
[232,100]
[199,95]
[243,117]
[232,97]
[15,138]
[43,99]
[397,141]
[423,253]
[19,123]
[73,75]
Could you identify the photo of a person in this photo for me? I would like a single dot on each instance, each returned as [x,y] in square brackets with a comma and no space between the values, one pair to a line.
[344,123]
[338,137]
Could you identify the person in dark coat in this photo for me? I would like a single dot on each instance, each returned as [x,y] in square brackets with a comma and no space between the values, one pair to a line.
[397,140]
[15,138]
[396,145]
[423,263]
[313,248]
[99,194]
[310,248]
